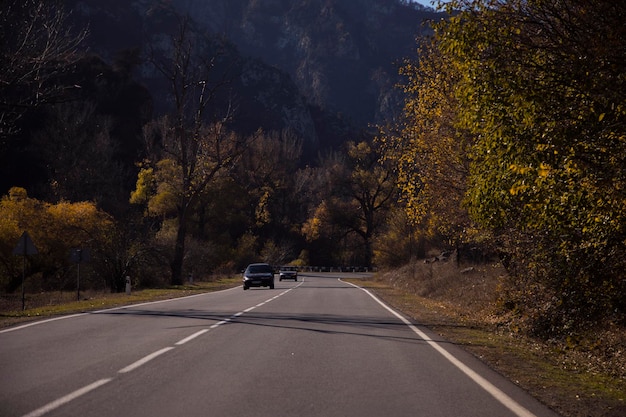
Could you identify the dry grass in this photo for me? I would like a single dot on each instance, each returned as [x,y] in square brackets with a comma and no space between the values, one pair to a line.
[459,302]
[57,302]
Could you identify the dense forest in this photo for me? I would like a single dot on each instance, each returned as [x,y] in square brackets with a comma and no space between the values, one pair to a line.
[190,147]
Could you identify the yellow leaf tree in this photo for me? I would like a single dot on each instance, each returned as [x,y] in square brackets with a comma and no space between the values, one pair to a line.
[55,229]
[541,88]
[429,151]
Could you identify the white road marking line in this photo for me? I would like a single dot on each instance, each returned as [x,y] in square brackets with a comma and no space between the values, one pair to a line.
[23,326]
[189,338]
[72,396]
[169,300]
[35,323]
[144,360]
[495,392]
[66,399]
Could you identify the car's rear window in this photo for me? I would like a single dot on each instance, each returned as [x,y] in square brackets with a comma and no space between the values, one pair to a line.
[256,269]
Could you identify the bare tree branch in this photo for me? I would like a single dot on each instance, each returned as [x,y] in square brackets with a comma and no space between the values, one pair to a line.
[37,44]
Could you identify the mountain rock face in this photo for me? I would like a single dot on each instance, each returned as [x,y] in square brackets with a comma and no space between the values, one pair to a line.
[342,54]
[301,63]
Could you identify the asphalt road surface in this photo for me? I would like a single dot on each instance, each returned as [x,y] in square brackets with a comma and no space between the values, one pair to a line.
[316,347]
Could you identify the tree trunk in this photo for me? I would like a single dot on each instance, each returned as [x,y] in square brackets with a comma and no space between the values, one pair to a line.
[179,252]
[368,252]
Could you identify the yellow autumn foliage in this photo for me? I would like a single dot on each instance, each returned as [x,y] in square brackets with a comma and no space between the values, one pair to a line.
[53,228]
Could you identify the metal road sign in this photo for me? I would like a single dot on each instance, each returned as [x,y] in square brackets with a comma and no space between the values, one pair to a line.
[79,255]
[25,246]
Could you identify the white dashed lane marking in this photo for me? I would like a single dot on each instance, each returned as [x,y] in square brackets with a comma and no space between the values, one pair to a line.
[88,388]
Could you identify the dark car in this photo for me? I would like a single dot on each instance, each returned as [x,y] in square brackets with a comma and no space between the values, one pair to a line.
[258,275]
[288,272]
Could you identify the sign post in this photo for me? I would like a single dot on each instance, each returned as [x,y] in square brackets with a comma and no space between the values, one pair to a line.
[79,255]
[24,247]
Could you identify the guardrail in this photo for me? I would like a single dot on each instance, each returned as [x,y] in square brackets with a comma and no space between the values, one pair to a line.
[336,269]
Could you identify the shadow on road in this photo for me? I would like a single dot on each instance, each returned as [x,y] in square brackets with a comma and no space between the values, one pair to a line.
[329,324]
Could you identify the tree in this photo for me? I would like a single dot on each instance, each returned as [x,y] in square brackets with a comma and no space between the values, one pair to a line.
[359,190]
[398,241]
[542,89]
[55,229]
[37,45]
[174,186]
[371,185]
[17,214]
[429,151]
[80,157]
[266,173]
[191,150]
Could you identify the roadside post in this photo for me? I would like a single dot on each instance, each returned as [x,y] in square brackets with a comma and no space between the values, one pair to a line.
[24,247]
[79,255]
[128,285]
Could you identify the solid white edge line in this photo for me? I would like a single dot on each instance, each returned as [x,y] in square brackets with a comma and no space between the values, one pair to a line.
[66,399]
[169,300]
[82,391]
[35,323]
[495,392]
[190,338]
[144,360]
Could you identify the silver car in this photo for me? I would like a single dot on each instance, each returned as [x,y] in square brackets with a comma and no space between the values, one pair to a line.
[288,272]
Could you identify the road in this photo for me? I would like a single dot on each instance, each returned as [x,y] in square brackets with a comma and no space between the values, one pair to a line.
[316,347]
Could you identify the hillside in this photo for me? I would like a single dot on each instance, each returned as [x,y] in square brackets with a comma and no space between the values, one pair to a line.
[322,62]
[342,55]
